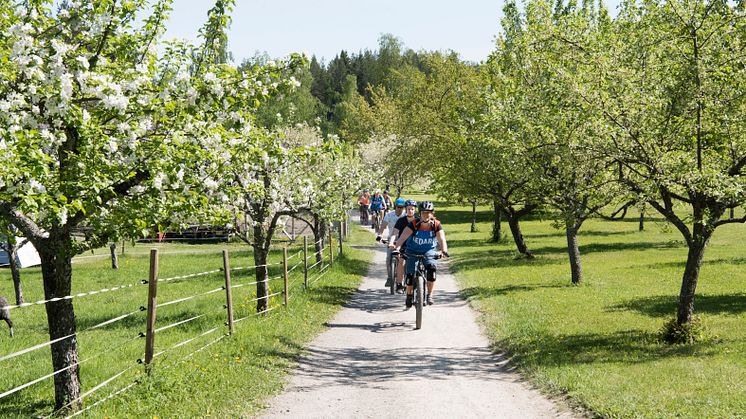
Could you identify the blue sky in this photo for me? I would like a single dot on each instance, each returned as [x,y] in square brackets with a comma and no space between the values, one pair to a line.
[324,27]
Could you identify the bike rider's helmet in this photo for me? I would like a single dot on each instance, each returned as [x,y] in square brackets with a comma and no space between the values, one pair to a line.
[400,202]
[411,203]
[386,192]
[365,190]
[426,206]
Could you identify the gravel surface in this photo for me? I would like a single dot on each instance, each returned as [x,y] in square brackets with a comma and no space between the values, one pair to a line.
[372,363]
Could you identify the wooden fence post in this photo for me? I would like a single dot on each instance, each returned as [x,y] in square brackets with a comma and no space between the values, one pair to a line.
[305,262]
[331,249]
[152,291]
[228,293]
[285,272]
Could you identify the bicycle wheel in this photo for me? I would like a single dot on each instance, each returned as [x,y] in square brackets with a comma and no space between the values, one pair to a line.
[392,287]
[419,298]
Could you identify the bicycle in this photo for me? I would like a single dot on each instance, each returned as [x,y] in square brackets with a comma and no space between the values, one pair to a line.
[376,222]
[420,287]
[391,274]
[364,215]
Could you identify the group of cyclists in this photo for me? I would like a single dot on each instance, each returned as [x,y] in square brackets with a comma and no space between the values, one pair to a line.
[413,231]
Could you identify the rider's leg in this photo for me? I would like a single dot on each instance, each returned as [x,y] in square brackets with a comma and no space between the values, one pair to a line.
[411,268]
[400,270]
[430,269]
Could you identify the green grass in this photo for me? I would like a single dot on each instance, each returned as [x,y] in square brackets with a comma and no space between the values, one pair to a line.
[230,378]
[598,343]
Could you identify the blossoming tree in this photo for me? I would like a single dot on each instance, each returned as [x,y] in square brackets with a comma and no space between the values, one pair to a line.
[97,130]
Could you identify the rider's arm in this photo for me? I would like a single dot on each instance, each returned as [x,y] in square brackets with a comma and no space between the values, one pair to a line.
[442,241]
[404,236]
[392,237]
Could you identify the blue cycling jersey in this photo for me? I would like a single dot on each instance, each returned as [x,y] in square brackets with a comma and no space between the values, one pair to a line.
[376,203]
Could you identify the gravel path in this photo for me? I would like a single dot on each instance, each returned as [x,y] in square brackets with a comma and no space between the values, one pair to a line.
[371,363]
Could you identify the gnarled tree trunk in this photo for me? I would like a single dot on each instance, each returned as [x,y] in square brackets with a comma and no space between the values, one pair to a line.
[641,227]
[576,269]
[520,243]
[318,238]
[696,253]
[497,226]
[114,258]
[15,272]
[473,216]
[260,261]
[55,254]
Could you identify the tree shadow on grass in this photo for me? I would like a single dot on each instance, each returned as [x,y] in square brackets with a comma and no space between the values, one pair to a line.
[499,259]
[681,264]
[18,408]
[484,292]
[581,234]
[614,247]
[665,305]
[628,347]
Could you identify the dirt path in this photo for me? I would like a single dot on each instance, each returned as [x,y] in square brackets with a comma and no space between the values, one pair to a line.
[371,363]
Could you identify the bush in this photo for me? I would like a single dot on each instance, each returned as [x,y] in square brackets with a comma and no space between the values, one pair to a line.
[675,334]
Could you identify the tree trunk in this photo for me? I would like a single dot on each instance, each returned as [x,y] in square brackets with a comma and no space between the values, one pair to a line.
[15,272]
[642,218]
[732,213]
[576,269]
[260,272]
[520,244]
[56,267]
[685,310]
[497,226]
[318,238]
[473,216]
[114,258]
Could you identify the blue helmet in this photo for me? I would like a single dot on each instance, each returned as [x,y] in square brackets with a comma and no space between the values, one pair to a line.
[400,202]
[411,203]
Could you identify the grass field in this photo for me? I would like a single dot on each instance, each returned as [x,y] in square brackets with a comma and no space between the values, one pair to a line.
[229,378]
[598,343]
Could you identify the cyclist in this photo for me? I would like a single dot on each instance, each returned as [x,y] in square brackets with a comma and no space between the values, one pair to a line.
[377,206]
[364,201]
[389,220]
[422,238]
[387,199]
[410,212]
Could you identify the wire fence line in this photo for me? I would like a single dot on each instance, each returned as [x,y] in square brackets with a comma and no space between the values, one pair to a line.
[79,295]
[144,282]
[112,348]
[52,374]
[110,396]
[181,300]
[60,339]
[91,391]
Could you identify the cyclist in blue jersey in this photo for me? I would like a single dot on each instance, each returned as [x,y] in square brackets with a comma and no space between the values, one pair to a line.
[377,207]
[422,238]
